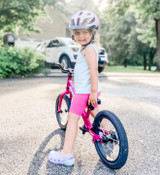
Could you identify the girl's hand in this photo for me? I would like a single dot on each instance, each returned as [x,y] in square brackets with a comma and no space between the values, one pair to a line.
[93,98]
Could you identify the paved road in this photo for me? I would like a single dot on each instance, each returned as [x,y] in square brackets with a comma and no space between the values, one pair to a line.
[29,130]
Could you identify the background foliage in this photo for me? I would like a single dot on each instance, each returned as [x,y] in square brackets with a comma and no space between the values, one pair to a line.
[129,35]
[129,30]
[18,62]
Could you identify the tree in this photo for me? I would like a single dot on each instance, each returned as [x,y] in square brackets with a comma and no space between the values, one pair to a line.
[150,9]
[19,13]
[147,36]
[23,14]
[116,39]
[119,36]
[125,35]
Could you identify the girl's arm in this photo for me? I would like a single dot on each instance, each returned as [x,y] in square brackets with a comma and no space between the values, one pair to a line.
[91,58]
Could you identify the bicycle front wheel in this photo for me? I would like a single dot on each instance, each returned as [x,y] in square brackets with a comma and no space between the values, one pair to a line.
[113,149]
[62,115]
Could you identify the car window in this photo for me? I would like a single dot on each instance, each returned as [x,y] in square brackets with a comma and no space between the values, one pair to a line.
[67,42]
[44,45]
[53,43]
[38,47]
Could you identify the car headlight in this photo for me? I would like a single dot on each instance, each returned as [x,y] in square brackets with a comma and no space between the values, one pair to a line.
[75,49]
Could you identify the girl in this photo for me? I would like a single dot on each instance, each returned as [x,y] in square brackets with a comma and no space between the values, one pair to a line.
[84,25]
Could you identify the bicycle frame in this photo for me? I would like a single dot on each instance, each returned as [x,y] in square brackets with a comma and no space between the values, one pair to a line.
[87,124]
[68,91]
[116,138]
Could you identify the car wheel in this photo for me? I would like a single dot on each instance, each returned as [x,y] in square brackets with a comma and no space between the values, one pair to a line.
[65,62]
[100,69]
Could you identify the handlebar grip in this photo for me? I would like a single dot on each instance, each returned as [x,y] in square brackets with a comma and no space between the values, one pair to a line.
[98,101]
[62,69]
[90,107]
[53,64]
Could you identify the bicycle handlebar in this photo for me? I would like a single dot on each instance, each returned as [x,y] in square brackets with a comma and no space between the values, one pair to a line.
[62,69]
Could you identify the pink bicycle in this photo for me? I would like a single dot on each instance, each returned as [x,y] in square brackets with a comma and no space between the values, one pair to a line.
[108,133]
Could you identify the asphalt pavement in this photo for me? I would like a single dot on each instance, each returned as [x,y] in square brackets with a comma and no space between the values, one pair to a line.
[29,130]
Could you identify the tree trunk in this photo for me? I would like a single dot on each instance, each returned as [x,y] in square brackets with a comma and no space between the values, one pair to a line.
[151,57]
[144,61]
[158,44]
[125,63]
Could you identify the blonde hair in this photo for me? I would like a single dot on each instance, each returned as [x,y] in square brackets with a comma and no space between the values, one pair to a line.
[97,41]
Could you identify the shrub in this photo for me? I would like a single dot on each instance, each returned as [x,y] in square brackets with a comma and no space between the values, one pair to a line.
[15,61]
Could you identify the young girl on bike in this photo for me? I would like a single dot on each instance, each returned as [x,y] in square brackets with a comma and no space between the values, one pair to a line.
[84,25]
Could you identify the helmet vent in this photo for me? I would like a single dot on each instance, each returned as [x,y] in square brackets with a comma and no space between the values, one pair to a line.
[80,13]
[72,22]
[93,19]
[85,21]
[78,20]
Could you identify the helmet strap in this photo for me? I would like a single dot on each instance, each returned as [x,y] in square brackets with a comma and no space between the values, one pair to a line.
[73,38]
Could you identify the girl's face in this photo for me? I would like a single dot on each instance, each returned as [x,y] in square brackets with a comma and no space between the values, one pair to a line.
[82,36]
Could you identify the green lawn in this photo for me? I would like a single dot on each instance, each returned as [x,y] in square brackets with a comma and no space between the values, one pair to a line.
[132,69]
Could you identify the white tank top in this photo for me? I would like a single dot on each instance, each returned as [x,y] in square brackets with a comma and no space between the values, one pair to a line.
[82,74]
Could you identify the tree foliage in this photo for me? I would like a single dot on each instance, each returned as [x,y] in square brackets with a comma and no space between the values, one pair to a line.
[149,10]
[19,13]
[23,14]
[130,29]
[125,35]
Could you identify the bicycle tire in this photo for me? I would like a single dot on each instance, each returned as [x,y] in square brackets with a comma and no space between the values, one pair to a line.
[62,120]
[120,140]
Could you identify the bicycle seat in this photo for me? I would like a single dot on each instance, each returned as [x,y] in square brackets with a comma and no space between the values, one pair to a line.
[90,107]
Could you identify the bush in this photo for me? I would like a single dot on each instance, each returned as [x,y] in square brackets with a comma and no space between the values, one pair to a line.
[15,61]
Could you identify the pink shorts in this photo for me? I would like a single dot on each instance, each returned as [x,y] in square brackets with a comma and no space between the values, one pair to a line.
[79,103]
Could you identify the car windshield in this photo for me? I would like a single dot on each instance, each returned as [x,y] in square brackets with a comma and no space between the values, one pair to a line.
[67,41]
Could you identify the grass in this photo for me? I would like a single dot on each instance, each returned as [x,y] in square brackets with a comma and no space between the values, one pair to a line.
[122,69]
[131,69]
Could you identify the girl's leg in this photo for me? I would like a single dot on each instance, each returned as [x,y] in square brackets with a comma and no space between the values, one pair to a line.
[94,112]
[71,134]
[104,121]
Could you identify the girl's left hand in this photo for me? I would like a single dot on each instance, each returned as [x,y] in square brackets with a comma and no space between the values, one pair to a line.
[93,98]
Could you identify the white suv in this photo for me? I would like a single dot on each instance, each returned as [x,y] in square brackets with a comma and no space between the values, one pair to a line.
[64,51]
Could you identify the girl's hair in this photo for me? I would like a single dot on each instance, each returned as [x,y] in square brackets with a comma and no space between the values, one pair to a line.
[96,40]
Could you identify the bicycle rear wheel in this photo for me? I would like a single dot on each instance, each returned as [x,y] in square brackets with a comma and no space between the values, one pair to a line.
[62,115]
[113,150]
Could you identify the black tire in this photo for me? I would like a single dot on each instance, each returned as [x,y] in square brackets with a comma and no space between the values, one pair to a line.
[62,116]
[65,62]
[116,138]
[100,69]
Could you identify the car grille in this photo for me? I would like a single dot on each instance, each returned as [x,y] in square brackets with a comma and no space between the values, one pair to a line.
[102,52]
[75,56]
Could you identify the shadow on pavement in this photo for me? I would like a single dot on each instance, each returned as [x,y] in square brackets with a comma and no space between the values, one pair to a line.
[40,155]
[101,169]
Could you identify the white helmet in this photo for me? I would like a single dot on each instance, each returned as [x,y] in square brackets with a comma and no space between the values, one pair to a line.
[84,20]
